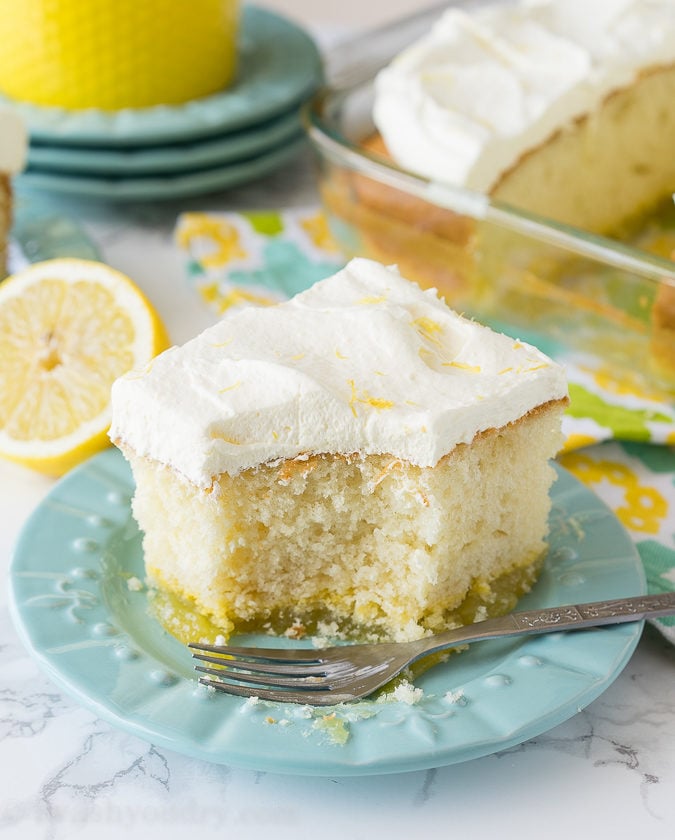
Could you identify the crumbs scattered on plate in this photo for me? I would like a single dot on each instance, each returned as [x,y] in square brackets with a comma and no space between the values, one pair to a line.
[403,692]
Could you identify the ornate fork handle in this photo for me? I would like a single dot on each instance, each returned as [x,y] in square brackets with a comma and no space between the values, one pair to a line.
[552,619]
[630,609]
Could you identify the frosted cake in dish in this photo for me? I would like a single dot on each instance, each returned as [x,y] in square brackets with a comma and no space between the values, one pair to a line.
[555,107]
[360,454]
[550,105]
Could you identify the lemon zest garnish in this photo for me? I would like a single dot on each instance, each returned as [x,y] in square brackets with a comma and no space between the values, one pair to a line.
[505,370]
[373,299]
[428,325]
[298,356]
[366,399]
[230,387]
[225,438]
[340,355]
[537,367]
[222,301]
[428,329]
[223,343]
[353,397]
[377,402]
[463,366]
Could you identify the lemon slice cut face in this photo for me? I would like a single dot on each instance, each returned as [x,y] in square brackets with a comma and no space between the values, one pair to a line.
[68,329]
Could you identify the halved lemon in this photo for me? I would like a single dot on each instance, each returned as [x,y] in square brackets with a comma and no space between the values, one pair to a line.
[68,329]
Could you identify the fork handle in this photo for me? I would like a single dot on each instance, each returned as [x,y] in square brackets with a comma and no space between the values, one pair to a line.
[555,619]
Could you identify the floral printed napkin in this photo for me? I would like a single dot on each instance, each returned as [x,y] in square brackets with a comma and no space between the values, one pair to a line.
[620,441]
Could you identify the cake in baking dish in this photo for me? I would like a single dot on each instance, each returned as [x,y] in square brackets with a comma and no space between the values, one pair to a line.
[554,107]
[359,454]
[550,105]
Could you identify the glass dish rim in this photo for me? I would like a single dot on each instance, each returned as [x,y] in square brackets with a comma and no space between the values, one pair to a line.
[333,145]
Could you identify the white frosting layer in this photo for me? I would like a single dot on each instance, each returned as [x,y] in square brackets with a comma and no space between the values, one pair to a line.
[465,102]
[364,361]
[13,141]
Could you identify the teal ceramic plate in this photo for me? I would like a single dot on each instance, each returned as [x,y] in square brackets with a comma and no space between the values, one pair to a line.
[94,636]
[179,157]
[162,185]
[279,67]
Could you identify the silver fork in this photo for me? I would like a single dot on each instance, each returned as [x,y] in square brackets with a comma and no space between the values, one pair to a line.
[349,672]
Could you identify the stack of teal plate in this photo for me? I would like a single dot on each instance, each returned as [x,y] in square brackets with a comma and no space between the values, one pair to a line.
[205,145]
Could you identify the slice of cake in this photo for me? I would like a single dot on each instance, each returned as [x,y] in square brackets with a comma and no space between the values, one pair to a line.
[543,104]
[13,143]
[360,454]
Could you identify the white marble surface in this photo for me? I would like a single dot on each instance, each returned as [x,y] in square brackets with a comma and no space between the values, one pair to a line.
[65,775]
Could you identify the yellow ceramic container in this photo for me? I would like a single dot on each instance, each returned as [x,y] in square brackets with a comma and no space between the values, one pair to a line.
[113,54]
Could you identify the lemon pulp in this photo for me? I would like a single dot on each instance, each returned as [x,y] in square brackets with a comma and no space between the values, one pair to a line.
[68,329]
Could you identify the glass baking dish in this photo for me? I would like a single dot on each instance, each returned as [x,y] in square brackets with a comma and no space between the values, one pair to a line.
[557,286]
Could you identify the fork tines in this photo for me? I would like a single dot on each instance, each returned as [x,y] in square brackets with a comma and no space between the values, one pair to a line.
[272,673]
